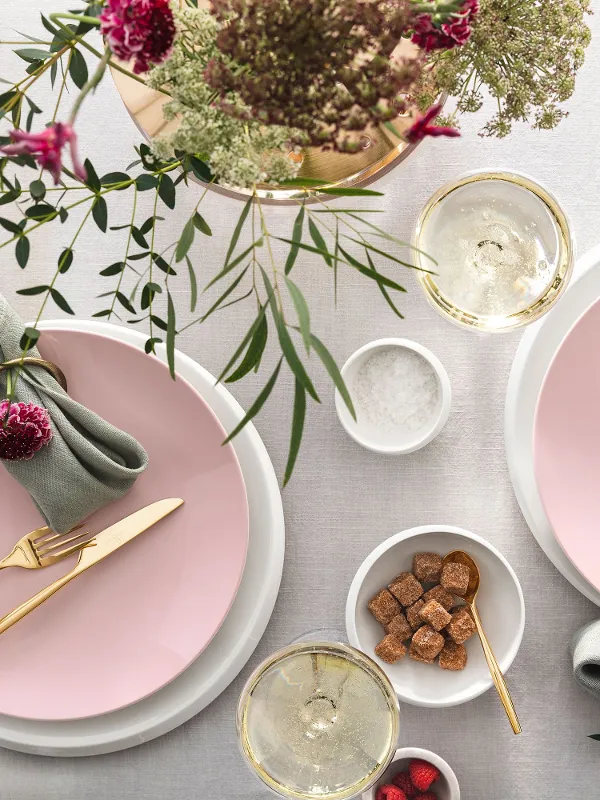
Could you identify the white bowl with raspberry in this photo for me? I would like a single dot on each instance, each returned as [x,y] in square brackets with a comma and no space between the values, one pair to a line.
[416,774]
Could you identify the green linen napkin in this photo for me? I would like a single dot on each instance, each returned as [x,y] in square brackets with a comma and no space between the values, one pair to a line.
[585,649]
[88,463]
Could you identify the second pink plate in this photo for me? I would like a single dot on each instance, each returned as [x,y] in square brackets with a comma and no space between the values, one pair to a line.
[567,444]
[138,619]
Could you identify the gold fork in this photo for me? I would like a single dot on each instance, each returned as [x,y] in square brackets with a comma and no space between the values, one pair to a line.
[43,547]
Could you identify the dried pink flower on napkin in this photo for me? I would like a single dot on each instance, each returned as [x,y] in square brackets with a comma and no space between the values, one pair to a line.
[24,429]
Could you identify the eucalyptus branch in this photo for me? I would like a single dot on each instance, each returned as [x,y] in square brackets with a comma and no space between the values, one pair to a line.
[91,84]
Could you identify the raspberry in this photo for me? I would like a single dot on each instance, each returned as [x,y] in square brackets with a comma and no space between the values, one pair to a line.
[389,792]
[427,796]
[402,781]
[423,774]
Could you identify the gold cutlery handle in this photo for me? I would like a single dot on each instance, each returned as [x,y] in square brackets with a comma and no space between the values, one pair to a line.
[29,605]
[496,673]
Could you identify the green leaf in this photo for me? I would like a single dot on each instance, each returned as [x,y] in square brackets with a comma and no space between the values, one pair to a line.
[201,224]
[253,353]
[333,371]
[383,290]
[376,276]
[200,169]
[258,403]
[33,290]
[9,197]
[41,211]
[232,265]
[92,178]
[170,342]
[29,338]
[37,189]
[166,191]
[125,302]
[148,292]
[297,429]
[112,178]
[53,73]
[78,69]
[296,237]
[162,264]
[348,211]
[60,301]
[65,260]
[244,342]
[308,182]
[63,214]
[113,269]
[138,237]
[160,323]
[302,310]
[225,294]
[149,224]
[100,213]
[22,251]
[351,192]
[185,240]
[139,256]
[287,346]
[105,313]
[145,182]
[388,255]
[151,344]
[193,285]
[315,235]
[9,225]
[31,54]
[237,230]
[595,736]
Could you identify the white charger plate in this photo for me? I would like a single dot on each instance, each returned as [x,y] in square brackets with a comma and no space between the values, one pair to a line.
[239,635]
[534,354]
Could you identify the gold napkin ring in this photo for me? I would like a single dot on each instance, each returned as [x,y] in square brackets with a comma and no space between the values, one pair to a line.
[49,366]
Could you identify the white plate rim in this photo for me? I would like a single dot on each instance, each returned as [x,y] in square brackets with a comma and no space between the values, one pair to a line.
[382,548]
[137,724]
[523,388]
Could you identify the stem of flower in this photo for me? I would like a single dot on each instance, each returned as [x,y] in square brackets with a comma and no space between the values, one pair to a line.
[55,17]
[90,85]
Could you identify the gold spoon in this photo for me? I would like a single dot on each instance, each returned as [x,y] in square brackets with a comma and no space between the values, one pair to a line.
[460,557]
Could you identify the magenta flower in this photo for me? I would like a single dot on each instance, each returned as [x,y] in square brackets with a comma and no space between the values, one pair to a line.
[142,30]
[47,148]
[422,126]
[455,32]
[24,429]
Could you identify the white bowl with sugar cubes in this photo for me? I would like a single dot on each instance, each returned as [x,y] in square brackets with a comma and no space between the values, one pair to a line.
[401,396]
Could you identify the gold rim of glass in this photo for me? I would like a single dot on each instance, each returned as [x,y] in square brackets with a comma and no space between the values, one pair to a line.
[335,648]
[542,304]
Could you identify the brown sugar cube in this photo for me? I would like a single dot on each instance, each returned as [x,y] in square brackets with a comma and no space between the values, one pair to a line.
[406,588]
[428,642]
[412,614]
[453,656]
[455,578]
[414,653]
[440,594]
[384,607]
[427,567]
[390,649]
[461,627]
[435,614]
[399,627]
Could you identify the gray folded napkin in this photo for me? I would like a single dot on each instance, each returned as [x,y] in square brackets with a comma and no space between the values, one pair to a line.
[87,464]
[585,649]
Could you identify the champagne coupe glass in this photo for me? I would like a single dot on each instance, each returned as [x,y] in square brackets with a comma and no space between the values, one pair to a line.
[318,719]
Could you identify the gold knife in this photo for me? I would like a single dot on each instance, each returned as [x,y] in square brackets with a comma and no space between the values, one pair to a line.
[101,546]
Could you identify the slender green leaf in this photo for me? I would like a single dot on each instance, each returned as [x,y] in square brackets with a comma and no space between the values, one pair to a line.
[301,310]
[388,255]
[193,284]
[340,191]
[250,333]
[148,292]
[376,276]
[296,237]
[185,240]
[287,346]
[383,290]
[200,169]
[258,403]
[138,237]
[78,68]
[308,182]
[53,73]
[151,344]
[162,264]
[237,230]
[65,260]
[37,190]
[333,371]
[595,736]
[139,256]
[315,235]
[32,290]
[60,301]
[41,211]
[237,299]
[232,265]
[113,269]
[92,180]
[112,178]
[225,294]
[307,247]
[100,213]
[160,323]
[171,331]
[125,302]
[104,313]
[166,191]
[63,214]
[9,225]
[336,258]
[22,249]
[253,353]
[348,210]
[201,224]
[29,338]
[31,54]
[297,429]
[9,197]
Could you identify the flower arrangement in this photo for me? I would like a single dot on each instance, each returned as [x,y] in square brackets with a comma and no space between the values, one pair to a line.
[251,83]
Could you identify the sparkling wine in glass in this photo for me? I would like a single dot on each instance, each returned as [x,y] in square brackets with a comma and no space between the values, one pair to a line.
[318,720]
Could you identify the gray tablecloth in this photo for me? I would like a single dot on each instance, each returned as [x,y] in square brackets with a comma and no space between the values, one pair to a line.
[344,500]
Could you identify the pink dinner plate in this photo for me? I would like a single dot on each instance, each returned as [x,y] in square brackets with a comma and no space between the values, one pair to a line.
[135,621]
[567,444]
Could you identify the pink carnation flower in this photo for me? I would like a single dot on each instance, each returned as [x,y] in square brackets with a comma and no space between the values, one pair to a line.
[455,32]
[47,147]
[422,126]
[142,30]
[24,429]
